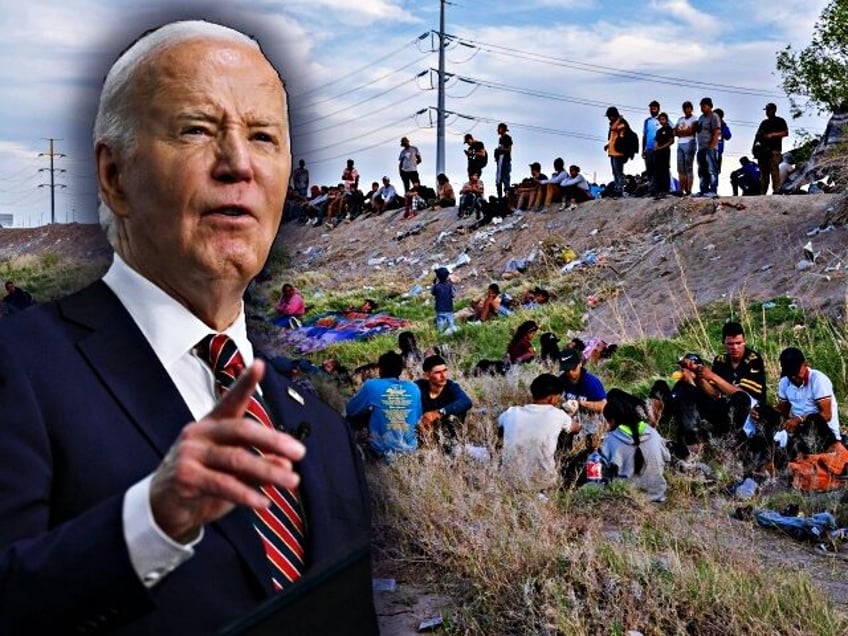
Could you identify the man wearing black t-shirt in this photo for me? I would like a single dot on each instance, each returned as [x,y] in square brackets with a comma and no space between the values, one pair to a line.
[736,378]
[477,157]
[768,148]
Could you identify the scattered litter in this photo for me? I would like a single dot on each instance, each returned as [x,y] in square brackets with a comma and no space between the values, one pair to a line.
[430,624]
[709,248]
[814,527]
[821,229]
[593,232]
[372,262]
[802,265]
[478,453]
[383,585]
[834,268]
[747,489]
[593,300]
[769,304]
[809,253]
[415,290]
[766,268]
[496,220]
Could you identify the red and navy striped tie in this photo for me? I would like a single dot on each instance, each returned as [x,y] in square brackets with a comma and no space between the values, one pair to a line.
[280,526]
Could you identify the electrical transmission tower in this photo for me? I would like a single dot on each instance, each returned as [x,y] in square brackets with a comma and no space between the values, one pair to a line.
[52,170]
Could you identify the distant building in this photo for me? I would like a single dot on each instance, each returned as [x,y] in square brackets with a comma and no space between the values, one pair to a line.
[7,220]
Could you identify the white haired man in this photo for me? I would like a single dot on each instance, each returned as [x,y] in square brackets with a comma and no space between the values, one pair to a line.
[139,423]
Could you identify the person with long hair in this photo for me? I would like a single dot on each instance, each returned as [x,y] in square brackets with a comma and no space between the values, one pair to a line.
[633,449]
[520,348]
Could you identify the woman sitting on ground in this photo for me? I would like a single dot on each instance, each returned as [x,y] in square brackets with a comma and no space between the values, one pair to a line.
[634,450]
[444,193]
[412,356]
[291,303]
[520,348]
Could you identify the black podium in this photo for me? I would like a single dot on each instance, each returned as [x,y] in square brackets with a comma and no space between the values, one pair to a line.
[334,600]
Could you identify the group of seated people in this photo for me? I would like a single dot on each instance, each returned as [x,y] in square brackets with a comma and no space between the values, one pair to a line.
[729,399]
[566,187]
[726,400]
[330,205]
[410,401]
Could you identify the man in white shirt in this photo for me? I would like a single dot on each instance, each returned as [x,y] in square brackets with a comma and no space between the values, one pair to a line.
[805,398]
[531,434]
[384,198]
[128,492]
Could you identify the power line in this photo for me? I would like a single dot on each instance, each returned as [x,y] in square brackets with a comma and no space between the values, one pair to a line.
[607,70]
[298,107]
[355,72]
[563,98]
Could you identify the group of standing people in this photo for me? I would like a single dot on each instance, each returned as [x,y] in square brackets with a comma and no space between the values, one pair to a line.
[699,140]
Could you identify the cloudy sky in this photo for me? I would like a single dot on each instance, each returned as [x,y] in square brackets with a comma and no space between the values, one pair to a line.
[360,77]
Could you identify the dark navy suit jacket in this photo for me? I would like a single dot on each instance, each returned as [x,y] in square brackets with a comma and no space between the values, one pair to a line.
[87,410]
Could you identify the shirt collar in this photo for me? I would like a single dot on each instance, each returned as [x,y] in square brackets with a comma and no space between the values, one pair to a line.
[170,328]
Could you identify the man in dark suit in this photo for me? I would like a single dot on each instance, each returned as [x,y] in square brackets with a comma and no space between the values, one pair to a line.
[128,489]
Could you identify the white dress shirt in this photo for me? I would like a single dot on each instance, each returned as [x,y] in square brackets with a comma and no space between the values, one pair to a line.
[173,332]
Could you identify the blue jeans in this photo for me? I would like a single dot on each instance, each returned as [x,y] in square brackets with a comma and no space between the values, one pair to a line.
[708,169]
[444,321]
[617,164]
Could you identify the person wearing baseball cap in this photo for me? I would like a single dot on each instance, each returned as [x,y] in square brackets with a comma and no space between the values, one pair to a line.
[768,148]
[805,398]
[580,385]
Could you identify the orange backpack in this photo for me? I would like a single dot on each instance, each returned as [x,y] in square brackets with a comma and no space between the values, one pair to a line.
[819,472]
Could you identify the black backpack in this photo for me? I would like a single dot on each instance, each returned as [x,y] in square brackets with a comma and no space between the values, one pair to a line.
[627,143]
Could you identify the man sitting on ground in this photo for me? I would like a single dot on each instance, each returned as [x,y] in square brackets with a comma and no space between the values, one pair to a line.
[443,401]
[385,198]
[580,385]
[724,394]
[532,434]
[16,299]
[471,197]
[805,398]
[746,178]
[389,407]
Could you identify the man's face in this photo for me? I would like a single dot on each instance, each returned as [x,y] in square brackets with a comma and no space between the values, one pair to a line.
[653,109]
[706,109]
[10,287]
[771,112]
[735,347]
[687,110]
[404,142]
[799,378]
[574,374]
[438,377]
[200,195]
[663,121]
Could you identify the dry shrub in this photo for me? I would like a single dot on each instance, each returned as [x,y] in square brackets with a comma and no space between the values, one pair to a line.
[591,561]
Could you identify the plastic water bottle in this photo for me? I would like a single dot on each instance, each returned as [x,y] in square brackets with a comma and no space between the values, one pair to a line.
[594,468]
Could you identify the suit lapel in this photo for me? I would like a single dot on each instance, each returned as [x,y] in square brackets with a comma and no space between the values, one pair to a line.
[126,364]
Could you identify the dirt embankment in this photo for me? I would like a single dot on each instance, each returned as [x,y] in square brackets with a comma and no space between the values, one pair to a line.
[651,256]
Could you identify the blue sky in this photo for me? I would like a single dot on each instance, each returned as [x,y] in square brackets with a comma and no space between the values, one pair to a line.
[359,80]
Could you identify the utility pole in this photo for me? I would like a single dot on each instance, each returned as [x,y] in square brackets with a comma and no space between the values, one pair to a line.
[52,170]
[440,109]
